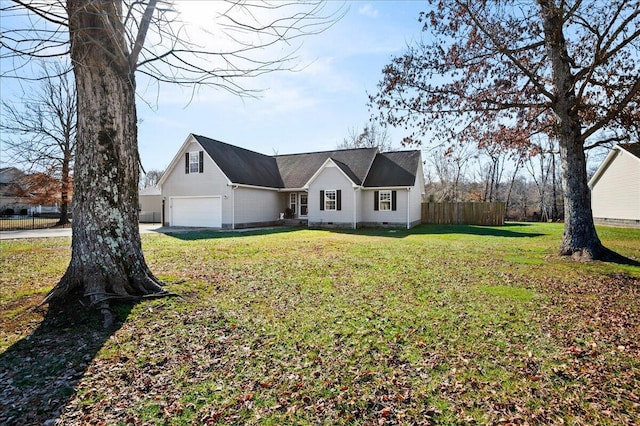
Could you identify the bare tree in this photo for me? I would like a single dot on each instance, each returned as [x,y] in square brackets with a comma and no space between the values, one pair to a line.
[542,168]
[450,167]
[565,69]
[109,41]
[518,164]
[42,123]
[492,170]
[151,178]
[372,136]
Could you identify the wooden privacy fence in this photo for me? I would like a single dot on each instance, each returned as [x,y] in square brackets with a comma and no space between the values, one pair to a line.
[463,213]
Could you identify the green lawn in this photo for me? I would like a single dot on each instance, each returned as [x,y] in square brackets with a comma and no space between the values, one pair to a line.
[437,325]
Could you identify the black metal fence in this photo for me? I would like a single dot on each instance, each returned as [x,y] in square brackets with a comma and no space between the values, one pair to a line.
[37,221]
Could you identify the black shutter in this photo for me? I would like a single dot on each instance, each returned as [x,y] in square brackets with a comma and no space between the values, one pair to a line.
[186,163]
[376,199]
[201,161]
[321,200]
[339,199]
[394,201]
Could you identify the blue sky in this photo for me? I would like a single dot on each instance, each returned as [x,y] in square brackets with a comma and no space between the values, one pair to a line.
[308,110]
[311,109]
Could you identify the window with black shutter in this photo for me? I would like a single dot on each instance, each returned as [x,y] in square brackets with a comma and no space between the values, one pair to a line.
[194,162]
[330,199]
[385,200]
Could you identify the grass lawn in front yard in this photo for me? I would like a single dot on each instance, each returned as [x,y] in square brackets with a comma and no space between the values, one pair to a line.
[436,325]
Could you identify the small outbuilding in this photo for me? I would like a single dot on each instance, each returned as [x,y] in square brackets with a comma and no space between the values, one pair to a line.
[150,204]
[615,188]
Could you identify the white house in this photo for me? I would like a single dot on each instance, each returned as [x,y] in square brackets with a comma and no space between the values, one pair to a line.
[213,184]
[615,187]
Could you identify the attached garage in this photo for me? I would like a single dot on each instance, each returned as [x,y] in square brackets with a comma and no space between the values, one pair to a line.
[196,211]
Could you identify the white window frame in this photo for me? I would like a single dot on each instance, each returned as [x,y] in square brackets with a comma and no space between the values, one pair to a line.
[194,166]
[384,201]
[328,200]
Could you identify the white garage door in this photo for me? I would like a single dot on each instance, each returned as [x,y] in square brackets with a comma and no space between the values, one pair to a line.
[196,211]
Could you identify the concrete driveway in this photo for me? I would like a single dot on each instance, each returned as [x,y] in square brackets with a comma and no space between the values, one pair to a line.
[145,228]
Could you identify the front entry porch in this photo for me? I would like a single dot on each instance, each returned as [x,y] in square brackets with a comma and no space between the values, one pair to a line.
[297,208]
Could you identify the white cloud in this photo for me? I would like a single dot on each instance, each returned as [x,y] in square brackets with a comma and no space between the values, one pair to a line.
[368,10]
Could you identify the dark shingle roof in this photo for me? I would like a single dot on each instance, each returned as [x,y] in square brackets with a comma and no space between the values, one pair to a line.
[393,169]
[367,165]
[297,169]
[241,165]
[633,148]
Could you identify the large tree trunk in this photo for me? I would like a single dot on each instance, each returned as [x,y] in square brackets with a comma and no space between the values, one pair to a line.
[580,239]
[106,261]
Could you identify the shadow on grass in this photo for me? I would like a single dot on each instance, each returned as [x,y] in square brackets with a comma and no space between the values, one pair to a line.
[207,234]
[39,374]
[495,231]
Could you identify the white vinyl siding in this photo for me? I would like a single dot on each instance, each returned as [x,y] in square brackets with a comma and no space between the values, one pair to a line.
[616,194]
[211,182]
[416,196]
[397,217]
[332,179]
[259,206]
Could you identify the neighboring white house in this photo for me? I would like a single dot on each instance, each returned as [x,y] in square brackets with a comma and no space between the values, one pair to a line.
[615,187]
[213,184]
[150,205]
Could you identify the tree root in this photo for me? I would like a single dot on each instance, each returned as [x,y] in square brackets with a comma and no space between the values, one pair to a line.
[600,253]
[98,293]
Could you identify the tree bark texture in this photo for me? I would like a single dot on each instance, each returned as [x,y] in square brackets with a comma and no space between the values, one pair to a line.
[580,239]
[107,262]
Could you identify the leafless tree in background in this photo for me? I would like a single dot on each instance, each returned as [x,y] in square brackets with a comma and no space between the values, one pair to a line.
[151,178]
[41,125]
[109,42]
[372,136]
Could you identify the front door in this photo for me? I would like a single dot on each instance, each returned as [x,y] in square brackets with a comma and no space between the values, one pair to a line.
[303,205]
[293,202]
